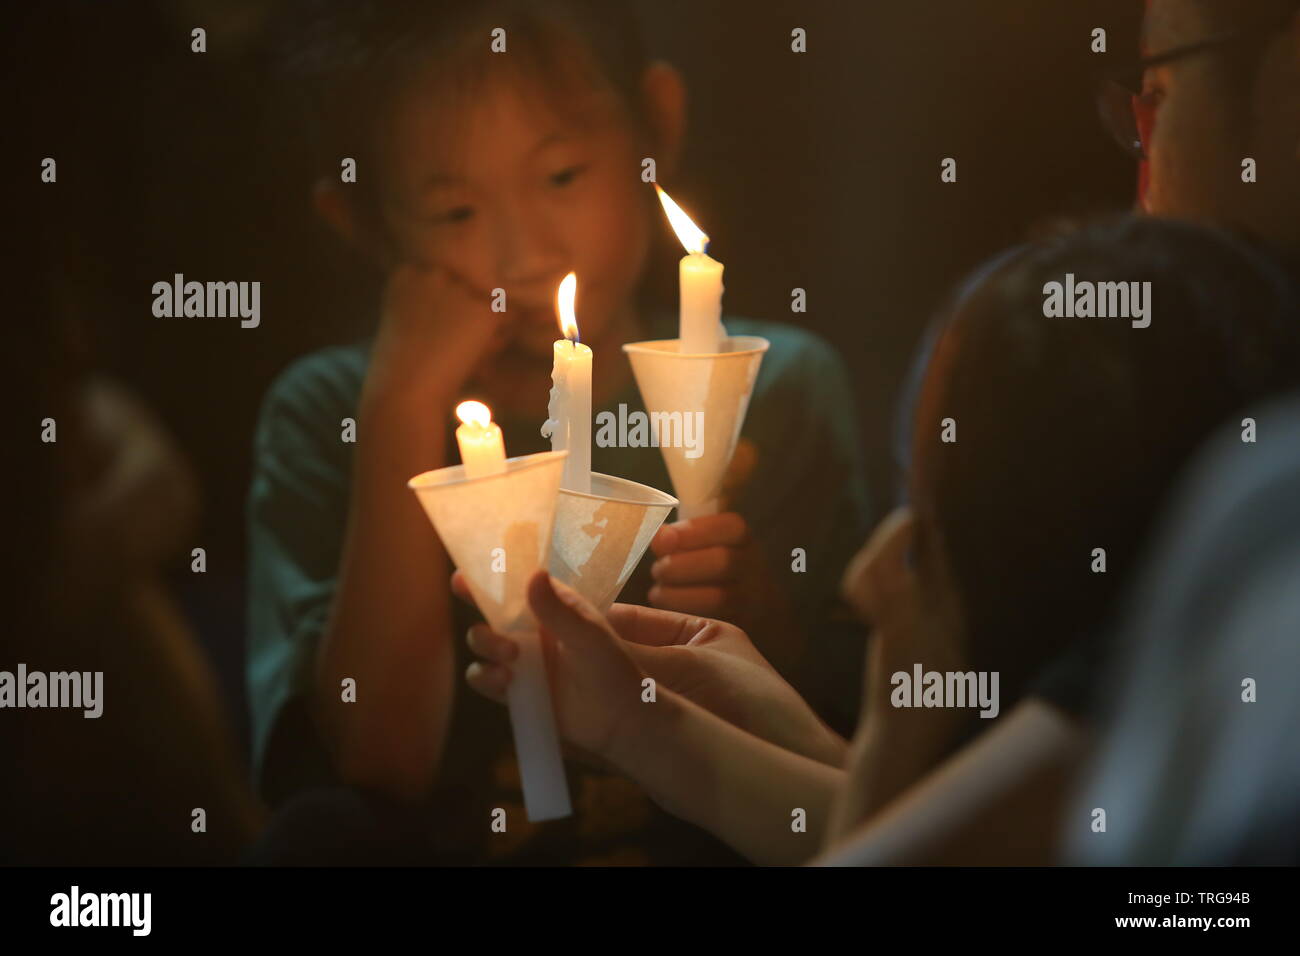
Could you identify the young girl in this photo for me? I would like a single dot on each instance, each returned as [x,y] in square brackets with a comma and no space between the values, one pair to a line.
[478,170]
[1069,433]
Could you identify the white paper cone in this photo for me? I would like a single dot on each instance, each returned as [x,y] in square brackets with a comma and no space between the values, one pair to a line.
[600,537]
[717,385]
[497,530]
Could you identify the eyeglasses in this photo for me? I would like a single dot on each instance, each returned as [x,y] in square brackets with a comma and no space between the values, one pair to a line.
[1129,113]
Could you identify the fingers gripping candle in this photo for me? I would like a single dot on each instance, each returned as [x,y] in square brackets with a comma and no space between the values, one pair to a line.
[700,327]
[568,415]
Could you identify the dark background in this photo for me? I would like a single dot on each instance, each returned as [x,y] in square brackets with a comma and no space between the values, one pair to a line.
[818,170]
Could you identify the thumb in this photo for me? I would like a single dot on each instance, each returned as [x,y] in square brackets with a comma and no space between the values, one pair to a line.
[565,614]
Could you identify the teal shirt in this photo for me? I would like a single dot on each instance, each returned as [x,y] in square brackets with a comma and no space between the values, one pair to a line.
[808,491]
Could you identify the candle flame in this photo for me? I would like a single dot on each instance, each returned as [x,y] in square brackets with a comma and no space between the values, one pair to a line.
[689,234]
[474,413]
[564,311]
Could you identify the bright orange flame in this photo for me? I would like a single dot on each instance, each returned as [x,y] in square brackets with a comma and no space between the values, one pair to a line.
[689,234]
[474,413]
[564,307]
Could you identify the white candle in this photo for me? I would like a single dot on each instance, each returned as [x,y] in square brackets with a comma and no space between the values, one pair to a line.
[699,277]
[568,415]
[482,449]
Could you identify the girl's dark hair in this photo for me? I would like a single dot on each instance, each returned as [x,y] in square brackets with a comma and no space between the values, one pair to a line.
[345,62]
[1070,431]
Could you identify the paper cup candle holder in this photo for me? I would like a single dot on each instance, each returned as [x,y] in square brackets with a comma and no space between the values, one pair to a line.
[603,524]
[494,516]
[703,372]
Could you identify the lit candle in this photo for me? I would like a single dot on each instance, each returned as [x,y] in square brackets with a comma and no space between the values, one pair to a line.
[568,415]
[482,450]
[700,327]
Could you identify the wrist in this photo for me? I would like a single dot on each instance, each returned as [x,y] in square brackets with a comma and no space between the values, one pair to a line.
[408,378]
[399,433]
[913,741]
[631,749]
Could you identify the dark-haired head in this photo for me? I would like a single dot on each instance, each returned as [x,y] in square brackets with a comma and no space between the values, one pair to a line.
[1070,431]
[501,140]
[348,63]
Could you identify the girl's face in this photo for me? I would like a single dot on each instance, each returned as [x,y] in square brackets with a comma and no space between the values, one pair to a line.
[509,192]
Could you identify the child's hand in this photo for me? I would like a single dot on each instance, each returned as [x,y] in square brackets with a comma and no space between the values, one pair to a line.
[435,329]
[709,662]
[710,566]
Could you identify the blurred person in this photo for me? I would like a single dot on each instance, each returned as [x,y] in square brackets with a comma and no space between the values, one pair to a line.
[97,512]
[1198,759]
[989,570]
[1219,82]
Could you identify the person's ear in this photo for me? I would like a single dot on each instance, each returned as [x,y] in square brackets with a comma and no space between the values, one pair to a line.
[663,94]
[339,212]
[335,209]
